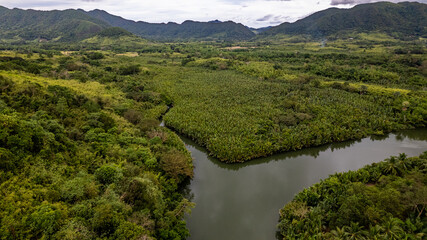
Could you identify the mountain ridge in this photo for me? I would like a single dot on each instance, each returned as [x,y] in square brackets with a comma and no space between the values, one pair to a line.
[403,18]
[396,19]
[189,29]
[32,24]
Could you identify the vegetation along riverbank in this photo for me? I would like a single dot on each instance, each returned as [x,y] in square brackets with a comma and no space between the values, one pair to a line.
[384,200]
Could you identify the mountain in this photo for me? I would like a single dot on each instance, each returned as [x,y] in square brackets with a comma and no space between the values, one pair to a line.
[74,25]
[188,30]
[405,18]
[65,25]
[401,19]
[259,30]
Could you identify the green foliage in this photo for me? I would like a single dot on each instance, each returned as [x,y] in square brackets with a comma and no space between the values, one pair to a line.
[398,19]
[17,63]
[68,25]
[144,193]
[128,230]
[212,107]
[74,230]
[46,219]
[82,135]
[188,30]
[108,174]
[140,156]
[7,160]
[106,218]
[95,55]
[129,70]
[80,188]
[114,32]
[370,203]
[297,94]
[71,168]
[176,165]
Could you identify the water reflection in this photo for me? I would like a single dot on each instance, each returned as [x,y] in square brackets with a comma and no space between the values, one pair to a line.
[241,201]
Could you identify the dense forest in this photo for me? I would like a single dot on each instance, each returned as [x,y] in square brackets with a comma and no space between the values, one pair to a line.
[81,160]
[405,20]
[402,20]
[188,30]
[68,25]
[297,93]
[385,200]
[73,25]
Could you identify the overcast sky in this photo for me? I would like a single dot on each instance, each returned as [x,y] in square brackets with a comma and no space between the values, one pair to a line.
[253,13]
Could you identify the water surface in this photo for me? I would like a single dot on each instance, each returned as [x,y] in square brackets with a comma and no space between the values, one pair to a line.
[241,201]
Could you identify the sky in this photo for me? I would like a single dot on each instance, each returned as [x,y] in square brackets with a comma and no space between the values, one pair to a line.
[252,13]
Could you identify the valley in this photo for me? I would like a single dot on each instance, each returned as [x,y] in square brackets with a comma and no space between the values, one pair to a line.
[119,129]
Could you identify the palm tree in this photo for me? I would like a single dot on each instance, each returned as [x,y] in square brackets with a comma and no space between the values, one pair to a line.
[396,165]
[391,166]
[375,231]
[339,233]
[403,164]
[355,232]
[392,229]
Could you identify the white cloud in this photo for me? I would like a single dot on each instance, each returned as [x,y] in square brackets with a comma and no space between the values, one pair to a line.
[354,2]
[242,11]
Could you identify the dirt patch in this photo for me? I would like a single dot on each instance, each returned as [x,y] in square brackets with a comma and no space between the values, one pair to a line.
[129,54]
[66,53]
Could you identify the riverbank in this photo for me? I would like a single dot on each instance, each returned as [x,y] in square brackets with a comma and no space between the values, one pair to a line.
[241,201]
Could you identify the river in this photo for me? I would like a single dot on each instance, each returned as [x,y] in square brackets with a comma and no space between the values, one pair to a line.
[242,201]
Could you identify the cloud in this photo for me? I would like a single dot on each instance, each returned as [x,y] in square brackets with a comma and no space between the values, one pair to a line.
[253,13]
[351,2]
[265,18]
[247,12]
[355,2]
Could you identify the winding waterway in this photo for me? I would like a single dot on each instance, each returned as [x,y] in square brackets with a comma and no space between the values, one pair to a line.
[241,201]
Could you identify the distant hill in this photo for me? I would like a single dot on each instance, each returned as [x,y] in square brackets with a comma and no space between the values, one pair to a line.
[114,32]
[65,25]
[259,30]
[188,30]
[402,18]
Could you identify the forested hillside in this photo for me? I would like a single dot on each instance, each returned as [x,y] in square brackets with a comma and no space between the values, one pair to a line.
[385,200]
[74,25]
[85,160]
[188,30]
[68,25]
[401,20]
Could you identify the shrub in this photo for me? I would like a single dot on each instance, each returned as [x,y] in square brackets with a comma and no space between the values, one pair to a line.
[79,188]
[129,70]
[108,174]
[144,193]
[7,160]
[95,55]
[46,220]
[176,164]
[132,116]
